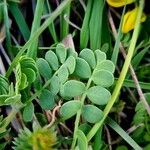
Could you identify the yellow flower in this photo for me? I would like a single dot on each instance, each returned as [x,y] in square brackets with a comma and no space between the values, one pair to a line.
[119,3]
[129,18]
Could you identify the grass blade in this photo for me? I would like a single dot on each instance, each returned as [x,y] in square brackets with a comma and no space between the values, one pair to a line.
[24,29]
[32,50]
[64,26]
[96,24]
[84,34]
[122,133]
[51,27]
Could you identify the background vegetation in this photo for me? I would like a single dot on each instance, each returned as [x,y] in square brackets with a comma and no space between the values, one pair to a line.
[71,78]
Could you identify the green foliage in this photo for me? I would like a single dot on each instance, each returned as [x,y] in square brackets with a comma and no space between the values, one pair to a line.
[61,52]
[83,69]
[44,68]
[69,109]
[55,69]
[141,117]
[82,140]
[84,34]
[52,59]
[46,99]
[122,147]
[98,95]
[103,77]
[73,88]
[4,85]
[26,71]
[48,83]
[85,128]
[89,57]
[92,113]
[28,112]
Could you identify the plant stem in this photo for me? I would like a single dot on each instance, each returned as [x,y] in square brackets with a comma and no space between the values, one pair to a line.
[8,119]
[38,32]
[122,74]
[79,114]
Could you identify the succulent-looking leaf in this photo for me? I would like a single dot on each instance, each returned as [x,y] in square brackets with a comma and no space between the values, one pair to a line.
[70,64]
[27,62]
[63,74]
[106,65]
[31,75]
[91,113]
[100,56]
[44,68]
[69,109]
[73,88]
[52,59]
[13,100]
[82,69]
[55,85]
[82,140]
[24,82]
[98,95]
[4,86]
[88,56]
[85,128]
[105,47]
[71,52]
[61,52]
[46,100]
[103,78]
[28,112]
[2,99]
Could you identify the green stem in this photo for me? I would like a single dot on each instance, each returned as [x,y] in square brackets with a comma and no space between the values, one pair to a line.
[47,22]
[122,74]
[78,115]
[8,119]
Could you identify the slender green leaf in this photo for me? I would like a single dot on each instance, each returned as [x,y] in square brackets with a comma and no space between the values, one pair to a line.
[84,34]
[122,133]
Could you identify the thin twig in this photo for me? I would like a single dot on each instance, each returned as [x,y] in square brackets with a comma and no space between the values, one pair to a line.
[5,54]
[71,23]
[2,67]
[53,115]
[83,4]
[108,138]
[139,90]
